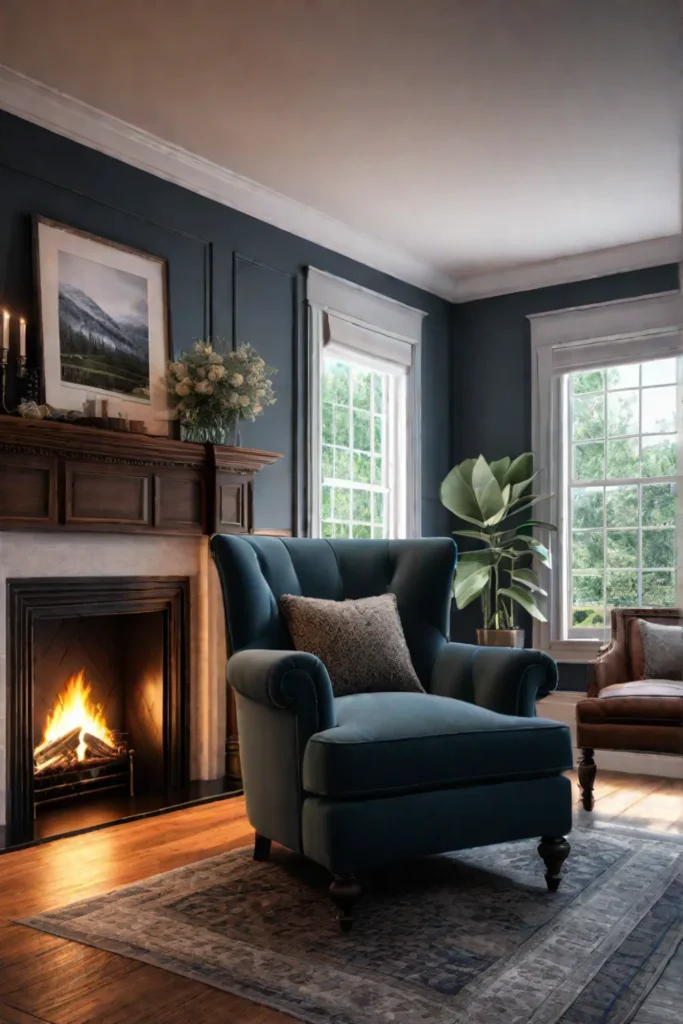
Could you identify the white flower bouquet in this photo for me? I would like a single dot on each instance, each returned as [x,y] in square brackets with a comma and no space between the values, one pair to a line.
[211,393]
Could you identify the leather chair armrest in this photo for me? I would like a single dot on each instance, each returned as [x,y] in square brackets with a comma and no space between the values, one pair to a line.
[609,667]
[289,680]
[504,679]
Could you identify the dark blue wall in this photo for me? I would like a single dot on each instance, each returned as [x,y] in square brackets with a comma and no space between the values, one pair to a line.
[492,379]
[230,276]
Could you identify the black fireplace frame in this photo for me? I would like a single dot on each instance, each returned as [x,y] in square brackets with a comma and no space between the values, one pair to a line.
[31,599]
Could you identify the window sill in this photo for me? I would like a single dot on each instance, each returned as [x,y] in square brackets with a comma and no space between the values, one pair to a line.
[575,651]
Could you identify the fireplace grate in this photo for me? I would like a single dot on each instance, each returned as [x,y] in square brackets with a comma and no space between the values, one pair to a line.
[82,778]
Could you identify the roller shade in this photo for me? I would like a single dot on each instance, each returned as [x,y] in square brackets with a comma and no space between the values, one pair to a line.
[364,343]
[612,352]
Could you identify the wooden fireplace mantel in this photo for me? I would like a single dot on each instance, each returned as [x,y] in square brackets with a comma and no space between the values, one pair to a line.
[58,476]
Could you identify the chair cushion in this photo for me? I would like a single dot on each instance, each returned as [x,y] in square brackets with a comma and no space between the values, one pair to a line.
[391,743]
[361,643]
[645,702]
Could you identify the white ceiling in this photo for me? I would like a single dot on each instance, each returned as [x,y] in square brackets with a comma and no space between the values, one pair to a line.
[472,135]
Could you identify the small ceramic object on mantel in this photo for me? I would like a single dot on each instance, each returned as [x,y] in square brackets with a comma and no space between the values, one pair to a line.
[500,637]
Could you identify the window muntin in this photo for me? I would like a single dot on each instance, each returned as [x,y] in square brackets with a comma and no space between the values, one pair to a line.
[620,469]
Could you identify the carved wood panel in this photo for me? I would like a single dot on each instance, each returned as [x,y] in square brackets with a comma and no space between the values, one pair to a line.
[233,504]
[179,501]
[107,495]
[28,490]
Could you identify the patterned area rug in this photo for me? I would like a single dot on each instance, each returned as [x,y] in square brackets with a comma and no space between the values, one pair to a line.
[468,938]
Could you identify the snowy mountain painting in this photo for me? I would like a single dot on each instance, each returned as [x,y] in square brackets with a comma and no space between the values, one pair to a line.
[103,327]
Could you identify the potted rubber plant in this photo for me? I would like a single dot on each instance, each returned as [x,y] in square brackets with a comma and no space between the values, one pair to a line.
[501,573]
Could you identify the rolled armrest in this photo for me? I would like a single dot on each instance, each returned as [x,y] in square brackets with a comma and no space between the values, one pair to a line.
[504,679]
[291,680]
[609,667]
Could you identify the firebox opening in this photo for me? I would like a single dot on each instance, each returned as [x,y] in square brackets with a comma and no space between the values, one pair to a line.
[98,718]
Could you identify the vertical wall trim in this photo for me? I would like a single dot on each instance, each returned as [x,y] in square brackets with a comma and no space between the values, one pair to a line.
[299,408]
[208,290]
[295,342]
[233,339]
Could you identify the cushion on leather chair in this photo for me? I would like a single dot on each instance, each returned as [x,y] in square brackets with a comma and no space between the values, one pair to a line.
[391,743]
[646,701]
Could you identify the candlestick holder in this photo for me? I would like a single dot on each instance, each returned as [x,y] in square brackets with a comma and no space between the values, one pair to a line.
[4,367]
[23,385]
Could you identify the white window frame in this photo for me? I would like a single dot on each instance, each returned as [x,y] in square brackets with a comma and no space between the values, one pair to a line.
[570,340]
[352,318]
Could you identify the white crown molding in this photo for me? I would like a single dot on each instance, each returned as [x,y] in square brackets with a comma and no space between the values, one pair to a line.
[654,252]
[42,105]
[39,103]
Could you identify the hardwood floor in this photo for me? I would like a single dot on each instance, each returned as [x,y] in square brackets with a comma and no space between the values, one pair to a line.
[46,980]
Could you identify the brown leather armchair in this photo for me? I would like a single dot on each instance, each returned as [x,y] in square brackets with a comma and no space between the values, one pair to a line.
[623,711]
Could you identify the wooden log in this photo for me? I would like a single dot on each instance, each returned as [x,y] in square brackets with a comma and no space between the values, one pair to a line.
[98,747]
[61,747]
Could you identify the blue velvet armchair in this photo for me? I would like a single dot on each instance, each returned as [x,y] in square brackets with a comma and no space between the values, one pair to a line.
[359,781]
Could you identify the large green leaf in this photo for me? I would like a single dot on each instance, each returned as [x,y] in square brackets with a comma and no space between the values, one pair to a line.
[477,534]
[525,600]
[525,502]
[487,490]
[458,496]
[522,468]
[528,578]
[484,556]
[470,585]
[499,468]
[539,524]
[500,515]
[540,550]
[466,467]
[519,490]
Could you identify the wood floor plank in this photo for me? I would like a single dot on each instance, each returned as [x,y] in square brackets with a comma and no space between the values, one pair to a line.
[660,810]
[10,1015]
[618,802]
[47,980]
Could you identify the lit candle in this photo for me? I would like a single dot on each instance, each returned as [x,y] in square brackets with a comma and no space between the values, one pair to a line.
[5,329]
[22,337]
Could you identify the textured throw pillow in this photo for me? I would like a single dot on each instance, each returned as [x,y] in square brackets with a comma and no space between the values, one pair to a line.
[662,650]
[360,643]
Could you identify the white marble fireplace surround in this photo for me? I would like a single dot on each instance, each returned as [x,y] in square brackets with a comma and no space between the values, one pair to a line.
[109,554]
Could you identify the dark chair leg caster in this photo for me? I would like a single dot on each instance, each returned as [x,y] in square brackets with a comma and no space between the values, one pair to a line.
[554,852]
[345,891]
[261,847]
[587,772]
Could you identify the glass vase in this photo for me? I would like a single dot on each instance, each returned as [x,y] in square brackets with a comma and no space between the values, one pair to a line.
[227,435]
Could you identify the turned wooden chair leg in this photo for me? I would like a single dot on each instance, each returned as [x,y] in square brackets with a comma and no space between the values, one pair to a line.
[261,847]
[554,852]
[587,772]
[345,891]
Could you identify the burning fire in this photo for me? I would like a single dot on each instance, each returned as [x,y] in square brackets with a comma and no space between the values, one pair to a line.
[74,709]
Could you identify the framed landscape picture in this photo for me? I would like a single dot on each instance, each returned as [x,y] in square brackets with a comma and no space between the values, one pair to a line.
[104,324]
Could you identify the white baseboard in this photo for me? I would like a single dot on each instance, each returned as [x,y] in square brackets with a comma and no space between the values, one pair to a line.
[561,707]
